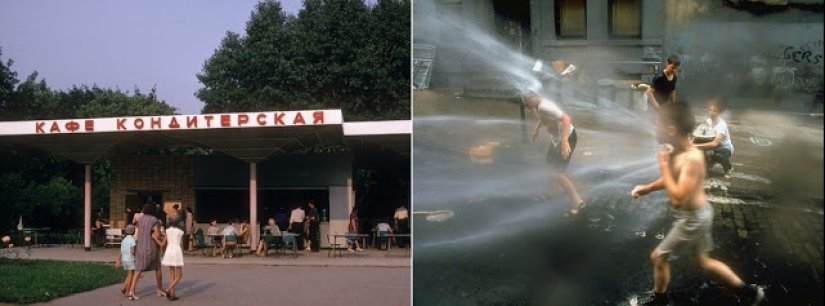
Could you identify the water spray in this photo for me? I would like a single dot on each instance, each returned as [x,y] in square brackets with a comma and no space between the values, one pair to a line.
[547,73]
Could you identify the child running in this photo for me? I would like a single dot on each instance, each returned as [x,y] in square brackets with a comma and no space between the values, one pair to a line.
[173,257]
[127,258]
[682,169]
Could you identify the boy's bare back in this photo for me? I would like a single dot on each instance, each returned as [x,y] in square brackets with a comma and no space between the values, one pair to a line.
[688,170]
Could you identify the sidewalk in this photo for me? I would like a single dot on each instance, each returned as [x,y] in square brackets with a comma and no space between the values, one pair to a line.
[368,258]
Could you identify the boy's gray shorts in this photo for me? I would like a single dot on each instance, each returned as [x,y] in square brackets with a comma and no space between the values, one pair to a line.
[690,234]
[128,265]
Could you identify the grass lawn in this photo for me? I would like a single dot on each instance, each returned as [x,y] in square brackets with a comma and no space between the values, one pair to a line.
[25,281]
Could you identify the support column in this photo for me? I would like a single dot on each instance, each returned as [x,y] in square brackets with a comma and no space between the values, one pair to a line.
[350,197]
[253,206]
[87,209]
[521,110]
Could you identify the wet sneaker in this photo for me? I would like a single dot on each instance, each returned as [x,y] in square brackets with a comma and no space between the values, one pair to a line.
[729,173]
[655,300]
[752,295]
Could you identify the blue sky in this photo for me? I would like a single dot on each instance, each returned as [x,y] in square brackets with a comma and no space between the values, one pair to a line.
[122,44]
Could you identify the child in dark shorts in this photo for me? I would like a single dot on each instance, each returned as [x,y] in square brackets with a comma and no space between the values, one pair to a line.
[563,141]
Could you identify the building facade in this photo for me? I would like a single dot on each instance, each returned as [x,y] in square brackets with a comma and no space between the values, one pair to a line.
[747,51]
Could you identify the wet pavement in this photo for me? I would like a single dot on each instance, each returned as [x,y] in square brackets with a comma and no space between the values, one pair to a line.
[505,240]
[374,277]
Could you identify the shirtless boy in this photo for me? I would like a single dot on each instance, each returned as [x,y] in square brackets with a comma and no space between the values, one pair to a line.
[682,168]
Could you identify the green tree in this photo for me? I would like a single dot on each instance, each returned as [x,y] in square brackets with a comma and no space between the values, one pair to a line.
[8,82]
[334,54]
[114,103]
[46,189]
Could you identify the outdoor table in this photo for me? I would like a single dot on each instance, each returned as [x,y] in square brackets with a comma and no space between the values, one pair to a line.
[409,245]
[362,237]
[275,241]
[35,233]
[217,238]
[374,238]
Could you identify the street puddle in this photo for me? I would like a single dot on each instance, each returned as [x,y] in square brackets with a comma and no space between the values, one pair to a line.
[436,215]
[483,154]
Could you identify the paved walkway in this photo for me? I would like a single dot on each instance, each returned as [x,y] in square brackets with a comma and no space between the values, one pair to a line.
[371,278]
[369,258]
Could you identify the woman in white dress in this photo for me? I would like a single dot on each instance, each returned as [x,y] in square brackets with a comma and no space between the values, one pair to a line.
[173,257]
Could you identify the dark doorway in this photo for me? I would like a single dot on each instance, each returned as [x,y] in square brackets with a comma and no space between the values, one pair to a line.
[221,204]
[513,22]
[140,198]
[279,203]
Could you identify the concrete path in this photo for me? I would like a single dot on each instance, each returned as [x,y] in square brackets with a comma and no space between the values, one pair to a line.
[369,258]
[372,278]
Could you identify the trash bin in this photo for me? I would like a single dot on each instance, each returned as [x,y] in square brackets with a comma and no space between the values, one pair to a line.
[622,94]
[639,101]
[605,92]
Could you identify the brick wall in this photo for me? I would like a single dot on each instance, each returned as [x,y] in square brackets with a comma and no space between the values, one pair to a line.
[171,175]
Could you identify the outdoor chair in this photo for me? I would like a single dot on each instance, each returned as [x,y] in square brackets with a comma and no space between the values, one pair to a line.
[113,237]
[72,237]
[382,237]
[289,242]
[200,245]
[243,244]
[230,243]
[274,243]
[335,246]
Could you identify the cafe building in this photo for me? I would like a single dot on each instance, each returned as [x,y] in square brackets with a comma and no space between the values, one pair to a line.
[259,166]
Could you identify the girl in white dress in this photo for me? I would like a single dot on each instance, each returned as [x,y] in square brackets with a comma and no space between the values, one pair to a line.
[173,257]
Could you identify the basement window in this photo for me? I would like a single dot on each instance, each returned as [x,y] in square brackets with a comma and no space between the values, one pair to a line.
[625,18]
[571,19]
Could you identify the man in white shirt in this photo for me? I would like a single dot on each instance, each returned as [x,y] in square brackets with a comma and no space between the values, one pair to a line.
[401,213]
[563,141]
[721,146]
[402,223]
[296,225]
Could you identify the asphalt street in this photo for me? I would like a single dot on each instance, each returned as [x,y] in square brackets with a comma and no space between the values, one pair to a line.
[489,231]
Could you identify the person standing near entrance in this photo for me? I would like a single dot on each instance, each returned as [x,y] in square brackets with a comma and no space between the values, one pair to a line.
[563,139]
[190,230]
[296,225]
[352,230]
[682,168]
[174,215]
[160,213]
[313,239]
[662,89]
[402,223]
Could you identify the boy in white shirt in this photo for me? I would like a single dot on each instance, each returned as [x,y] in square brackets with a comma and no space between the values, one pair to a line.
[563,141]
[721,146]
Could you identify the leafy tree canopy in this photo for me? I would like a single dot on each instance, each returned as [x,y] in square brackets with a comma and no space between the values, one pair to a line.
[334,54]
[46,189]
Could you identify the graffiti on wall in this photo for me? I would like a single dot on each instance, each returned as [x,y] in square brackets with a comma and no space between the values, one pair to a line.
[808,53]
[788,67]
